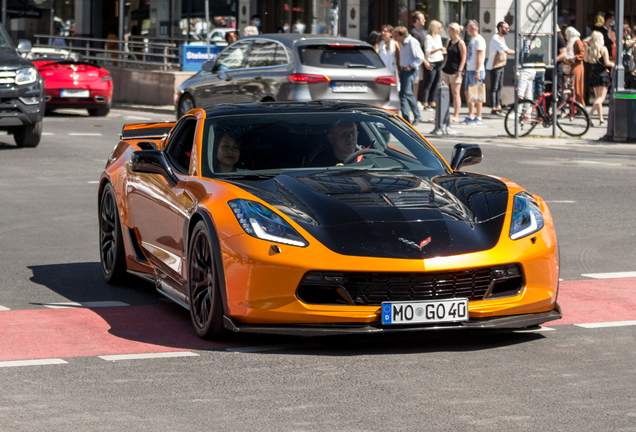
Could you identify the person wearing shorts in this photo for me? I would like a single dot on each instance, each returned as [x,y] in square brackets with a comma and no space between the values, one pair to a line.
[454,66]
[475,70]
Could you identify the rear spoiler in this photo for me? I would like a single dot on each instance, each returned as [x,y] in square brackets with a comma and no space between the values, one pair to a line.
[146,130]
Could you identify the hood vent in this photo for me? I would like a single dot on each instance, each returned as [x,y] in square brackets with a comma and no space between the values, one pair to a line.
[413,199]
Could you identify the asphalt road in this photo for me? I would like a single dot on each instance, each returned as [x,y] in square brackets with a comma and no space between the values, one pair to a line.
[568,376]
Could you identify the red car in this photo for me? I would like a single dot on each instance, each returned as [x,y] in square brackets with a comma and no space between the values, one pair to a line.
[72,83]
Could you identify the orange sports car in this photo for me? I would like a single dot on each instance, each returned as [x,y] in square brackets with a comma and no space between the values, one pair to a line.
[322,218]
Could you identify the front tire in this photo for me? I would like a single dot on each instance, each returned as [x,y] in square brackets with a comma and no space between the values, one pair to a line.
[185,104]
[111,242]
[206,304]
[28,135]
[101,111]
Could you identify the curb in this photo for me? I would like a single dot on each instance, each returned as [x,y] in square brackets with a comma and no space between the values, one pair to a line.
[159,109]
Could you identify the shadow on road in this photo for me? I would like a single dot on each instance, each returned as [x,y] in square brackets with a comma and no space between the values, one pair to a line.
[151,321]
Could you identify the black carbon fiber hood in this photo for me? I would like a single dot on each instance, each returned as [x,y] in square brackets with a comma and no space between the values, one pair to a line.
[390,214]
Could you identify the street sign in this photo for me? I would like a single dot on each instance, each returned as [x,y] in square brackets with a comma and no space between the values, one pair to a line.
[536,16]
[193,56]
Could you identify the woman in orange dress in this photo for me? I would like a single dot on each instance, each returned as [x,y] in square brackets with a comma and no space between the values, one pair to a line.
[574,58]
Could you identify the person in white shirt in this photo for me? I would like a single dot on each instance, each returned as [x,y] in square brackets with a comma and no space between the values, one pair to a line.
[434,55]
[475,71]
[389,51]
[411,57]
[496,63]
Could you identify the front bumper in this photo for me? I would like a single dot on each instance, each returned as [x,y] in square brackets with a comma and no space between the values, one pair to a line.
[493,323]
[14,112]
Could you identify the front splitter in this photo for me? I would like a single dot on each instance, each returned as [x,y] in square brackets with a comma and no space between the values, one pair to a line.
[494,323]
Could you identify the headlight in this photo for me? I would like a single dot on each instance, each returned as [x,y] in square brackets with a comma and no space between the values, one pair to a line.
[26,76]
[261,222]
[526,216]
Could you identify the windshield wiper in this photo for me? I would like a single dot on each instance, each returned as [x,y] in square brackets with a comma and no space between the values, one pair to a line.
[350,66]
[250,176]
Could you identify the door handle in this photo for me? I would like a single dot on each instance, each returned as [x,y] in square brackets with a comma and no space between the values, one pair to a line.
[258,77]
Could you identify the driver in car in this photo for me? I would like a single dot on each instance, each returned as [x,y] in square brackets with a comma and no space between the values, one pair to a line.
[343,137]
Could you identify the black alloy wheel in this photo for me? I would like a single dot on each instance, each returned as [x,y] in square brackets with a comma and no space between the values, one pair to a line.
[185,104]
[100,111]
[111,243]
[206,307]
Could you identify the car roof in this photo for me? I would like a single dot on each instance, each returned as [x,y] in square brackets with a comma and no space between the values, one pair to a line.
[280,107]
[291,39]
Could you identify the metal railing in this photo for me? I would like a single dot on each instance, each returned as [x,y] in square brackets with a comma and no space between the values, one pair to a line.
[139,51]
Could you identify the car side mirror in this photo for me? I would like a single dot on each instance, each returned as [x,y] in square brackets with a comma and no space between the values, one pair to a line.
[208,65]
[152,162]
[24,46]
[464,155]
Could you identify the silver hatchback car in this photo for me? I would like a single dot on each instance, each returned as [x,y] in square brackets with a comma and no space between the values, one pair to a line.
[291,67]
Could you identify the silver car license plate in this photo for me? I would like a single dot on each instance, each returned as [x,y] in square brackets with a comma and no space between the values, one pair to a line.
[425,312]
[349,87]
[75,93]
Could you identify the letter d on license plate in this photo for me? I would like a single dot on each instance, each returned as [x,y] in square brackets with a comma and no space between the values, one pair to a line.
[425,312]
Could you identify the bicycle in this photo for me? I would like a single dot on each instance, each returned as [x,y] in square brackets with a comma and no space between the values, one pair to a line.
[572,117]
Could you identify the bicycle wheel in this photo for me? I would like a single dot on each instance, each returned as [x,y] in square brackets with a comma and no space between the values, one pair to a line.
[573,119]
[529,116]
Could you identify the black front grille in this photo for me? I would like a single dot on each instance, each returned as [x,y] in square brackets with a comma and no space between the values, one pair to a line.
[367,288]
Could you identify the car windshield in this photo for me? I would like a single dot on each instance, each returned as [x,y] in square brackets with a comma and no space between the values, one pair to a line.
[272,143]
[340,57]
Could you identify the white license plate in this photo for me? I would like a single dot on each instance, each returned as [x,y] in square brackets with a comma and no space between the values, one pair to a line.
[75,93]
[424,312]
[349,87]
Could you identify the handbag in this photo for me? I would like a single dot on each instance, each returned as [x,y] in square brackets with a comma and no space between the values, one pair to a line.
[499,60]
[477,93]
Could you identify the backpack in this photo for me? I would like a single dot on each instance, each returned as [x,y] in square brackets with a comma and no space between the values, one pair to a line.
[628,59]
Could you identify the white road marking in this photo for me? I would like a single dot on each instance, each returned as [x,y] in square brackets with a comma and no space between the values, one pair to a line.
[84,134]
[610,275]
[118,357]
[137,118]
[93,182]
[97,304]
[39,362]
[562,202]
[607,324]
[252,349]
[540,329]
[47,133]
[2,308]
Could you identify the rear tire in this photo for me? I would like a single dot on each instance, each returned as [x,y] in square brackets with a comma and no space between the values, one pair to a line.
[111,242]
[206,303]
[28,135]
[102,111]
[185,104]
[574,124]
[527,122]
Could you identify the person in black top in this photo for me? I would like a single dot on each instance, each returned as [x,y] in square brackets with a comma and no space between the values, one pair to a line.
[609,21]
[454,65]
[417,31]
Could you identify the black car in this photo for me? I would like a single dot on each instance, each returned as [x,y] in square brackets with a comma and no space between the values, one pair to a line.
[21,93]
[291,67]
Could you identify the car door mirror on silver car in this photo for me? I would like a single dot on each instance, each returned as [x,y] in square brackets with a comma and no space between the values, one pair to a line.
[24,46]
[464,155]
[208,65]
[153,162]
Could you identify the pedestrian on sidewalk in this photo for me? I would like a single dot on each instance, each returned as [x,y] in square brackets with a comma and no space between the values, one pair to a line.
[434,55]
[475,71]
[574,62]
[499,52]
[417,31]
[454,66]
[389,51]
[411,57]
[597,55]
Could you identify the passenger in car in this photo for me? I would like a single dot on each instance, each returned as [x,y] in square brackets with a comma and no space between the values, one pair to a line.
[227,155]
[343,137]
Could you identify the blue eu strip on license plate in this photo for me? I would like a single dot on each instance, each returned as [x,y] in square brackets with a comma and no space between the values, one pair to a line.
[453,310]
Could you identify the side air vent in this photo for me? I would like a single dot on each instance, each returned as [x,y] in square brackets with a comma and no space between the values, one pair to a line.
[139,254]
